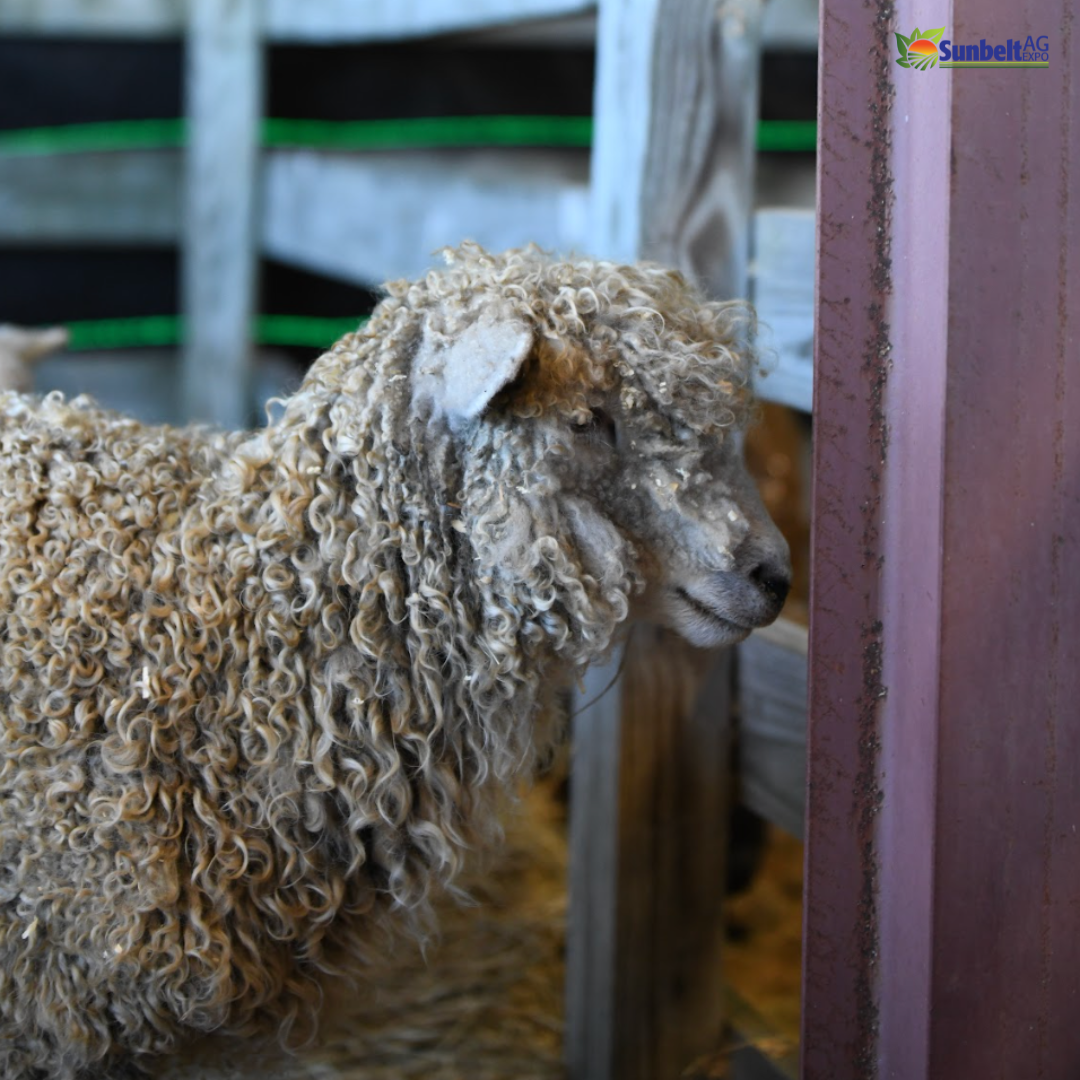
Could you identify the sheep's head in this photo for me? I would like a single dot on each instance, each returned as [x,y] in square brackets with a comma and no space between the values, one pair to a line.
[598,410]
[20,349]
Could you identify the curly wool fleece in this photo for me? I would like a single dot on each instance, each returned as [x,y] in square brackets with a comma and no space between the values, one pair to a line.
[259,690]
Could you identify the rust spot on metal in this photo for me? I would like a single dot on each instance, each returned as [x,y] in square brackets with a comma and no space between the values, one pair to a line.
[877,350]
[867,804]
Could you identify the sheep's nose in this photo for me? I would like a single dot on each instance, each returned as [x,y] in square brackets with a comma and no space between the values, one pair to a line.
[773,579]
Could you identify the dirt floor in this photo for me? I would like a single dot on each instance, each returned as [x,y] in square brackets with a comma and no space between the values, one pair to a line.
[763,959]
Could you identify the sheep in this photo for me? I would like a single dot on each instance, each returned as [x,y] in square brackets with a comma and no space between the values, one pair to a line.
[262,691]
[20,349]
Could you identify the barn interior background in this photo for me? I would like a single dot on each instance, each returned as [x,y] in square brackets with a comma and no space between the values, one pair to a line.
[206,194]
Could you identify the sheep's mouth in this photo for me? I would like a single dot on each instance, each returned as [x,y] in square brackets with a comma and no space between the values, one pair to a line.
[707,613]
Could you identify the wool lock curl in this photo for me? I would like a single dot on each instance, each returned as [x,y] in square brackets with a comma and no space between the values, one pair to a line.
[260,691]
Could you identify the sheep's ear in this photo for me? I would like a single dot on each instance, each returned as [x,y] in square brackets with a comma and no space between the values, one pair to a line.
[31,345]
[463,375]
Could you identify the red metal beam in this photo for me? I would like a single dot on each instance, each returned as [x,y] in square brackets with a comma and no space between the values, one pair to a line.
[943,869]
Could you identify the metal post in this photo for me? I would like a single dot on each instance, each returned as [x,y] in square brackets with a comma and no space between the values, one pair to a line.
[944,781]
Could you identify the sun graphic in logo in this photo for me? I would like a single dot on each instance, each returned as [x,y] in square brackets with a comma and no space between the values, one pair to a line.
[919,49]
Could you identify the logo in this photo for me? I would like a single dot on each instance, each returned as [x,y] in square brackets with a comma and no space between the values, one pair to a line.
[924,49]
[919,50]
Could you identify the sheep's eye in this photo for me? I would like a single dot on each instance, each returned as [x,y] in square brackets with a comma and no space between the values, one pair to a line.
[599,427]
[682,433]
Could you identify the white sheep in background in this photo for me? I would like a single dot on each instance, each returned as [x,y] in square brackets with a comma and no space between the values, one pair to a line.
[259,691]
[20,349]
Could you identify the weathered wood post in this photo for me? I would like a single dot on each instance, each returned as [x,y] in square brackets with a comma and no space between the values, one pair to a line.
[944,783]
[219,231]
[676,111]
